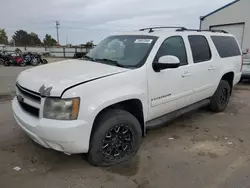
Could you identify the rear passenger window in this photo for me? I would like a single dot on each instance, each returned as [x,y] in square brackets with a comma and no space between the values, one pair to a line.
[200,48]
[226,46]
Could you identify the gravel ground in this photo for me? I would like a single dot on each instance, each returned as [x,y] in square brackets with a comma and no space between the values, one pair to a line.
[199,150]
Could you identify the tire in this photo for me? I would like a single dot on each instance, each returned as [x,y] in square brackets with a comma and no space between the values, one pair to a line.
[114,129]
[23,64]
[34,62]
[6,63]
[1,61]
[221,97]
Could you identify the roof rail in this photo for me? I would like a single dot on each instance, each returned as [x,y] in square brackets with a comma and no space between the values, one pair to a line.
[151,29]
[199,30]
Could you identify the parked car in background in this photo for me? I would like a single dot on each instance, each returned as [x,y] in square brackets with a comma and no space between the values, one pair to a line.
[246,67]
[103,103]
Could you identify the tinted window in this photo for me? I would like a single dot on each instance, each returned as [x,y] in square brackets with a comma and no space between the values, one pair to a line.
[200,48]
[226,46]
[173,46]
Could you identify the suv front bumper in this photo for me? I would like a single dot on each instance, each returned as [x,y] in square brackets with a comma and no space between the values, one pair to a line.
[65,136]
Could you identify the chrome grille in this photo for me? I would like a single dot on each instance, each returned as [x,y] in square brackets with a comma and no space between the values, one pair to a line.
[29,101]
[29,109]
[29,94]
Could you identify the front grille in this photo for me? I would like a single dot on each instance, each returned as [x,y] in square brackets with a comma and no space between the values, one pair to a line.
[29,94]
[29,109]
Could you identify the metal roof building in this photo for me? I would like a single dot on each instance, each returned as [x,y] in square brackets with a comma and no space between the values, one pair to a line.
[233,18]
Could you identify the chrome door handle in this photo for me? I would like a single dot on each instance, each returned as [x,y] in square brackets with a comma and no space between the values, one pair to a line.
[212,68]
[186,74]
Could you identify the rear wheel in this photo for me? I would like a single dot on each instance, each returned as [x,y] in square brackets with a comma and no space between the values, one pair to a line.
[221,97]
[6,63]
[116,138]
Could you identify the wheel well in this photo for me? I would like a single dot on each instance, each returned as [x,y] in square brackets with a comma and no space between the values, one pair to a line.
[133,106]
[229,77]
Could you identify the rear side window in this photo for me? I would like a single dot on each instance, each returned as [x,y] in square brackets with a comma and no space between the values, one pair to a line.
[200,48]
[226,46]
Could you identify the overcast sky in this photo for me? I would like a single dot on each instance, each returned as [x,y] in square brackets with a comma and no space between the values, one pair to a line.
[84,20]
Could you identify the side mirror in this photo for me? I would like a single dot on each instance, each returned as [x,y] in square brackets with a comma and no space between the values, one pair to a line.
[166,62]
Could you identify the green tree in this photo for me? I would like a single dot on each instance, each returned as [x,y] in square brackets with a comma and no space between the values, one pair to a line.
[34,39]
[49,41]
[3,37]
[21,37]
[90,44]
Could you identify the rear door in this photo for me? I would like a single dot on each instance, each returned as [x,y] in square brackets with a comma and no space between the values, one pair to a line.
[229,55]
[205,67]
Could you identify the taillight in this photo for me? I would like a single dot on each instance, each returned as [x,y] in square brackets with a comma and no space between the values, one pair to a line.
[241,63]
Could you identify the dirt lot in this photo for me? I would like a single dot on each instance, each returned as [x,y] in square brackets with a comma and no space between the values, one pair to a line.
[199,150]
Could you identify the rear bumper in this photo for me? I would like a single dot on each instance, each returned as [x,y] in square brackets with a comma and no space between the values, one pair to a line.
[65,136]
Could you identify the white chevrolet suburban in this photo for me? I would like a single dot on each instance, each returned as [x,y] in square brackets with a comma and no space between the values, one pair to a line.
[103,103]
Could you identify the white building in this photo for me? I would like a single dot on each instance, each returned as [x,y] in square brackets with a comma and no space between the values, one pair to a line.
[233,18]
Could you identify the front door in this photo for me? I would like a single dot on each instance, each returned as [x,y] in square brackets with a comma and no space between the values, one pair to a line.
[170,89]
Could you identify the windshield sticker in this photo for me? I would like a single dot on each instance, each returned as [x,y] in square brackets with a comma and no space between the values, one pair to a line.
[144,41]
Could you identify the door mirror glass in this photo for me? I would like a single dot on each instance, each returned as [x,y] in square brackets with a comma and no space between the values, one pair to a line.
[166,62]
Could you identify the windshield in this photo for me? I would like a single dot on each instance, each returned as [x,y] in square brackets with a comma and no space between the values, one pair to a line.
[123,50]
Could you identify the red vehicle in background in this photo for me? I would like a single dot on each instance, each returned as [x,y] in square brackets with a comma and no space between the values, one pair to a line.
[14,59]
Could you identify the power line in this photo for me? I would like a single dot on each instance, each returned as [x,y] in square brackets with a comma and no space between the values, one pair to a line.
[57,30]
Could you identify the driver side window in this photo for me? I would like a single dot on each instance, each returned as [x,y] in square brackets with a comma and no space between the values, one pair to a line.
[173,46]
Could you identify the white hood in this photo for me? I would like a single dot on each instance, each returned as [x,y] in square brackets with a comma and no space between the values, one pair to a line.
[61,75]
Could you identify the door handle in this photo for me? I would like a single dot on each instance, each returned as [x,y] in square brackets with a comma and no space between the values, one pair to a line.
[186,74]
[212,68]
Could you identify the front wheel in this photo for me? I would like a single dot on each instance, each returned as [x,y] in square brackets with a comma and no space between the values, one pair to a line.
[221,97]
[34,62]
[116,138]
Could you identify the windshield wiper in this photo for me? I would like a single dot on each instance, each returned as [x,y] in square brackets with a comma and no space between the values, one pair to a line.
[113,62]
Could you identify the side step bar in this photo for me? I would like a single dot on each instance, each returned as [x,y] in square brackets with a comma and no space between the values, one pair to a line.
[173,115]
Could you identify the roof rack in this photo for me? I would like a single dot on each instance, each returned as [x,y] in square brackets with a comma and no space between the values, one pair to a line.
[151,29]
[199,30]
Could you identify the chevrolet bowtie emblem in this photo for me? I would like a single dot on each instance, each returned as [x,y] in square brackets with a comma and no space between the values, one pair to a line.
[45,92]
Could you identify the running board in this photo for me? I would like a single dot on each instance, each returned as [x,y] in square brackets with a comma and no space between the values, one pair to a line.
[173,115]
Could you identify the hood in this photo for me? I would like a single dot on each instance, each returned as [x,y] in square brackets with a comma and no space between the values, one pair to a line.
[64,74]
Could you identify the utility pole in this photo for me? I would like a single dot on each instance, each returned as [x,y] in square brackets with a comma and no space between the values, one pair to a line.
[57,30]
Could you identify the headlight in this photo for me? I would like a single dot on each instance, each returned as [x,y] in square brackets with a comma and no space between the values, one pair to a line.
[61,109]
